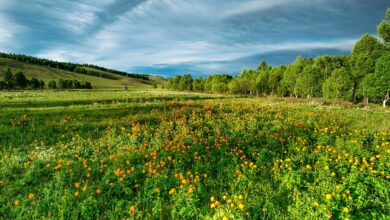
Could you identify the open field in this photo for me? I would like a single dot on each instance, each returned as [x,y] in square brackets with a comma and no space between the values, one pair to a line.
[159,155]
[111,81]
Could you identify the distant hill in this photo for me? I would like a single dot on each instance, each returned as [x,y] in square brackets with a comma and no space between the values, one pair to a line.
[100,77]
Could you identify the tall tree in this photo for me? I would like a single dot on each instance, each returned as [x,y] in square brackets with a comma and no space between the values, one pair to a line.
[8,79]
[364,55]
[20,80]
[339,85]
[309,82]
[274,80]
[185,82]
[384,28]
[377,85]
[198,84]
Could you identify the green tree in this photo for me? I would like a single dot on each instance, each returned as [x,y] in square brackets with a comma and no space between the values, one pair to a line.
[185,82]
[52,84]
[384,28]
[275,78]
[8,79]
[377,85]
[364,55]
[61,84]
[290,76]
[76,84]
[263,66]
[339,85]
[262,83]
[198,84]
[34,83]
[20,80]
[86,85]
[309,82]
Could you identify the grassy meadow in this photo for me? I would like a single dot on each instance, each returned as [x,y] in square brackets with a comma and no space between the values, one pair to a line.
[169,155]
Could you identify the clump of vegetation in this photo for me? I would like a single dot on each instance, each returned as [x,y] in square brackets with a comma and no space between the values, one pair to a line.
[137,155]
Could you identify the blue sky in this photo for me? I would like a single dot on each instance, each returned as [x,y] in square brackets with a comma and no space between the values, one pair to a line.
[184,36]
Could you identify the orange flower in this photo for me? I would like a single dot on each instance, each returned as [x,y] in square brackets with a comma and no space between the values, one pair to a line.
[77,185]
[17,202]
[98,191]
[76,194]
[31,196]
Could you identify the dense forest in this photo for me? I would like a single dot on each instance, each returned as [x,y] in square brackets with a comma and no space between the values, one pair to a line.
[77,68]
[20,81]
[362,76]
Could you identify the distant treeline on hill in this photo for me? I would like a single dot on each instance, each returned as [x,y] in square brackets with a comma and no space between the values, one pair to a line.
[19,81]
[77,68]
[364,75]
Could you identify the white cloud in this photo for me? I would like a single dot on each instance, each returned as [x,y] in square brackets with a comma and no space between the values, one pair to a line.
[253,6]
[8,34]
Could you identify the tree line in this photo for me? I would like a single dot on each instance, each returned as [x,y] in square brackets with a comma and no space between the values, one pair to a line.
[362,76]
[77,68]
[20,81]
[68,84]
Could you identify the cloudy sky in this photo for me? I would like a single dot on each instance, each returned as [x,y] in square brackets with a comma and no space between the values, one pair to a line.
[184,36]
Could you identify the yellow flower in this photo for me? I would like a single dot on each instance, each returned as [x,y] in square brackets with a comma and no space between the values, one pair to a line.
[16,202]
[157,190]
[84,188]
[132,209]
[212,199]
[225,218]
[316,204]
[76,194]
[77,185]
[328,196]
[212,205]
[240,197]
[346,209]
[172,191]
[241,206]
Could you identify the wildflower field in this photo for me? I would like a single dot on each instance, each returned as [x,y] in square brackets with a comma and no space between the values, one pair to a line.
[163,155]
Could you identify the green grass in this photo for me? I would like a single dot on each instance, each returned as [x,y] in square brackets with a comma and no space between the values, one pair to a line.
[170,155]
[47,73]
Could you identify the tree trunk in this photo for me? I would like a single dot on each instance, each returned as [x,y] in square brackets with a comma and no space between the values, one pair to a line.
[354,93]
[365,100]
[386,99]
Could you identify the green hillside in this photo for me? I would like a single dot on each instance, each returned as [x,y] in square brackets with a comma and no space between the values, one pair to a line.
[107,81]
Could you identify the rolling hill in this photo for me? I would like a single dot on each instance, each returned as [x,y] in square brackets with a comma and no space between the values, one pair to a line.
[106,80]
